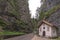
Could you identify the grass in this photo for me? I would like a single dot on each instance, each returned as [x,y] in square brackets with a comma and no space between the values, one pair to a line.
[56,38]
[11,33]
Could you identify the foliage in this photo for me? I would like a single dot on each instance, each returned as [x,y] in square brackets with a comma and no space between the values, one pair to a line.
[42,14]
[34,23]
[49,12]
[2,23]
[52,10]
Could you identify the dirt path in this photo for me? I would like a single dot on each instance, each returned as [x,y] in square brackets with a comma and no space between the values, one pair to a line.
[28,37]
[24,37]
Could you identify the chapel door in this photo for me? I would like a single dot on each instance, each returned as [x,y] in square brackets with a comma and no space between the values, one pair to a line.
[44,33]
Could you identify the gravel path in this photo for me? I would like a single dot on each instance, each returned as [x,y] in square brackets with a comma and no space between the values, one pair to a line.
[28,37]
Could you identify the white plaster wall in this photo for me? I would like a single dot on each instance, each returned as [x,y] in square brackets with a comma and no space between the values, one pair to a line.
[54,34]
[48,33]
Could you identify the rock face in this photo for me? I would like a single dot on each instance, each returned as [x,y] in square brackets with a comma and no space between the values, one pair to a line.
[24,13]
[23,9]
[16,14]
[54,18]
[48,4]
